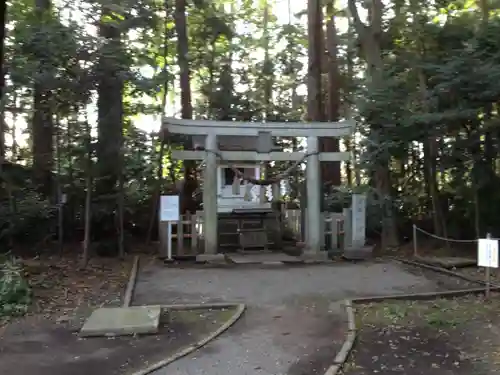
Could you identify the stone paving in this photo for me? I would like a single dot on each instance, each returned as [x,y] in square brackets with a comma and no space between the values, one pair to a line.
[294,324]
[263,258]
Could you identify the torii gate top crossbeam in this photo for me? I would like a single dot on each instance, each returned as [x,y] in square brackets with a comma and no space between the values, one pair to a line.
[277,129]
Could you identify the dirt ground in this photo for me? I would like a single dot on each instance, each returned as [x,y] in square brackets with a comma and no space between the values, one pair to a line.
[478,273]
[48,348]
[45,341]
[62,291]
[432,247]
[452,337]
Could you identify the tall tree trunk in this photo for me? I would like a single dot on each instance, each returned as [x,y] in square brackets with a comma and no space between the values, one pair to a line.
[3,127]
[72,203]
[315,53]
[120,207]
[349,103]
[293,90]
[485,193]
[369,37]
[13,129]
[431,142]
[110,134]
[42,125]
[331,170]
[430,160]
[159,174]
[88,195]
[267,74]
[485,10]
[59,190]
[268,65]
[180,19]
[110,108]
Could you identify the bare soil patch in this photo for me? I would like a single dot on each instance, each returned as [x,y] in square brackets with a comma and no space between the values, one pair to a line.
[62,291]
[442,281]
[60,286]
[49,348]
[446,336]
[478,273]
[438,248]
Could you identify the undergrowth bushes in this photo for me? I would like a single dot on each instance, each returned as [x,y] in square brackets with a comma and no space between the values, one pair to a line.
[15,293]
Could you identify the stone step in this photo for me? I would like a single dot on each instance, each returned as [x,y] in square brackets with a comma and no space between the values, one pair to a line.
[118,321]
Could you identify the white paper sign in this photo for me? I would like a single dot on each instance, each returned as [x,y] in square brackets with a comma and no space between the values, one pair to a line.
[358,219]
[487,253]
[169,208]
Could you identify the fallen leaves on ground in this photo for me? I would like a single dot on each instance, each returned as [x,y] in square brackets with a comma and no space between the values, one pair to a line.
[457,336]
[60,286]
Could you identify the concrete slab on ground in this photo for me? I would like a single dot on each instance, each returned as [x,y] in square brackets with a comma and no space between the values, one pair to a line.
[263,258]
[446,262]
[119,321]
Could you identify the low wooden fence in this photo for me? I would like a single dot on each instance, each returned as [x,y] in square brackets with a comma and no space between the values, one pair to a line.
[332,227]
[187,233]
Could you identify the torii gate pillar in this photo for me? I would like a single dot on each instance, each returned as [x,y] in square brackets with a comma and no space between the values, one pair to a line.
[313,210]
[210,195]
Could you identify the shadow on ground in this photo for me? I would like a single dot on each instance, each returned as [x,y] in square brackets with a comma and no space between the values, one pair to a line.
[293,325]
[457,336]
[409,351]
[46,348]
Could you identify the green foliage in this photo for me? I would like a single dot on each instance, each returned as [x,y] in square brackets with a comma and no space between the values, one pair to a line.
[458,57]
[440,82]
[15,293]
[24,216]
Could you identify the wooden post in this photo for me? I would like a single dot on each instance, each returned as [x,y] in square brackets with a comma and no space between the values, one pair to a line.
[334,231]
[263,189]
[415,246]
[169,240]
[347,212]
[303,213]
[340,234]
[313,213]
[180,235]
[163,238]
[194,234]
[324,227]
[264,146]
[487,275]
[210,195]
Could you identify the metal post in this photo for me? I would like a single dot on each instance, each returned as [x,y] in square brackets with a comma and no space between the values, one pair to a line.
[414,240]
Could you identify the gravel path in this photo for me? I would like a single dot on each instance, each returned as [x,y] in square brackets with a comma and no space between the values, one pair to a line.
[294,324]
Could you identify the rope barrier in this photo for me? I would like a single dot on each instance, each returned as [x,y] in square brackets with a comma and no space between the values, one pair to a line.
[443,238]
[269,181]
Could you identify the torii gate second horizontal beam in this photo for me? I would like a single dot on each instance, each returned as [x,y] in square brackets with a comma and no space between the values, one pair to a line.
[255,156]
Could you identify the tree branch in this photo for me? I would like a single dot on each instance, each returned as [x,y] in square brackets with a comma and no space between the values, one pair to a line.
[358,24]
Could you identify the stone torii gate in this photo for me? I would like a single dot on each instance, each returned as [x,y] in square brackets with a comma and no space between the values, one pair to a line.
[263,131]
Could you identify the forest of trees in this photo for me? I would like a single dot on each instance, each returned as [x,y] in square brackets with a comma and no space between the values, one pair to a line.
[418,77]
